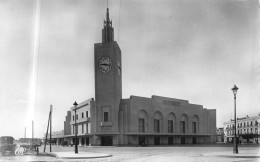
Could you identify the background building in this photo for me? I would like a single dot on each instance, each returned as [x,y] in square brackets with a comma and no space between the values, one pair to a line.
[247,129]
[220,135]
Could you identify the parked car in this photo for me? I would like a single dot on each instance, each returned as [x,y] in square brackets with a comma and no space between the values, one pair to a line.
[7,145]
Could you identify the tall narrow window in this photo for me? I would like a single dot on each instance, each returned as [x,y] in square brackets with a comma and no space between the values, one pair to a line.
[87,114]
[73,128]
[77,117]
[194,127]
[182,127]
[105,116]
[86,127]
[170,126]
[82,128]
[82,115]
[141,125]
[156,125]
[73,117]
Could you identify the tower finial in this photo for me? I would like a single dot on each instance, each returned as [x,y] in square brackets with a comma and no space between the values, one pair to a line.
[108,31]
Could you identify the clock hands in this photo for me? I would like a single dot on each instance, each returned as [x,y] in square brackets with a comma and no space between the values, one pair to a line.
[105,64]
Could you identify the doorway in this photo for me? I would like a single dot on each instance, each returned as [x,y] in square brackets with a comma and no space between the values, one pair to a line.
[170,140]
[194,140]
[182,140]
[107,141]
[157,140]
[82,141]
[141,140]
[87,140]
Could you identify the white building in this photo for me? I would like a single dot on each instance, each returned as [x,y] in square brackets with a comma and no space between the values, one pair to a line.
[247,129]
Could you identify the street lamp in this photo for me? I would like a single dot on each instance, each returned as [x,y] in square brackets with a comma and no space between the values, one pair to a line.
[257,131]
[235,147]
[75,128]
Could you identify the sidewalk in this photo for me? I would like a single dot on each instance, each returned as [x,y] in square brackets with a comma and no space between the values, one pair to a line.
[241,154]
[80,155]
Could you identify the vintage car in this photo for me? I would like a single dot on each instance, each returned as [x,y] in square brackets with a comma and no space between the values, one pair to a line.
[7,146]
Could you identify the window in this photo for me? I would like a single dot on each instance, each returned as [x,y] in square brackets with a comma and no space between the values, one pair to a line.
[182,126]
[251,130]
[77,117]
[82,115]
[105,116]
[194,127]
[73,129]
[73,117]
[86,127]
[156,125]
[251,124]
[237,131]
[82,127]
[170,126]
[256,123]
[87,114]
[141,125]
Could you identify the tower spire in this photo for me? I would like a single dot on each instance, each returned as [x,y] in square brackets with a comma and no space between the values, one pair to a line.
[108,30]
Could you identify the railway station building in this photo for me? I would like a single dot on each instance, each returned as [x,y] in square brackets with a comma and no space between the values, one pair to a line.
[108,119]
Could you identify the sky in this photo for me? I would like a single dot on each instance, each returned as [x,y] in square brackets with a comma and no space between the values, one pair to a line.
[184,49]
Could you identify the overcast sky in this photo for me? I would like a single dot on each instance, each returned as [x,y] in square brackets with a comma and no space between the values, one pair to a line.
[185,49]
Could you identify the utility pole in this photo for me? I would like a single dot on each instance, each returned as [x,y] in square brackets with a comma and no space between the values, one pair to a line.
[50,125]
[75,128]
[46,136]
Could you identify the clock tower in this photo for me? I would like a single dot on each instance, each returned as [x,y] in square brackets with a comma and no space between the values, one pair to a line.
[108,85]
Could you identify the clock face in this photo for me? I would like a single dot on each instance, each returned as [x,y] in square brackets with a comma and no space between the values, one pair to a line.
[105,64]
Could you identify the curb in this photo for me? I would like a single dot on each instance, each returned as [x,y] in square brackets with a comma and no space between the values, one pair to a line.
[47,154]
[81,156]
[92,157]
[231,156]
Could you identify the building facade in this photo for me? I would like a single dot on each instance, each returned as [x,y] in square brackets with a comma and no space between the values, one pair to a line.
[247,130]
[110,120]
[220,135]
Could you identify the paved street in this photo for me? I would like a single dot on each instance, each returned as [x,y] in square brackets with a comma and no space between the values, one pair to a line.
[141,154]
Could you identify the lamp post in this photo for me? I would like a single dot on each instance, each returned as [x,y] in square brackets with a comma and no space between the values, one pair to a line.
[235,147]
[75,128]
[257,132]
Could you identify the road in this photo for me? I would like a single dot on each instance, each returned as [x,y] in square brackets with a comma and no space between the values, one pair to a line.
[142,154]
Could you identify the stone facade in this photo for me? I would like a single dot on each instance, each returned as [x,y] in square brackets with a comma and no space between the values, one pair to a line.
[165,121]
